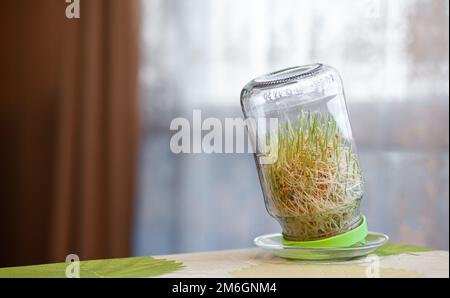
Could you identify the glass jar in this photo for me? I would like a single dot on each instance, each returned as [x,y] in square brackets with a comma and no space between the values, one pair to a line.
[312,184]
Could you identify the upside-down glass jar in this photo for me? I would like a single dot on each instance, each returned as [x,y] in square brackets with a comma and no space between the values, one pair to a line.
[307,162]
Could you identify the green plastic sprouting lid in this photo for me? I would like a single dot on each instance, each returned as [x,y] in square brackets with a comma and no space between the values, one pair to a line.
[343,240]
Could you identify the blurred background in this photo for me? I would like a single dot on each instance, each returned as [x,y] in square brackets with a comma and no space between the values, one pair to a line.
[86,106]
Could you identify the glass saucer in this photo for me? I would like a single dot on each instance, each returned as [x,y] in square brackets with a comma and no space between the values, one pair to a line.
[274,244]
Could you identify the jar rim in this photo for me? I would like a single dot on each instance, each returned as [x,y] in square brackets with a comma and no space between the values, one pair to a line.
[286,75]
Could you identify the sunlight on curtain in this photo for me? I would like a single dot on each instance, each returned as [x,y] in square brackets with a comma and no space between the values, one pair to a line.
[393,56]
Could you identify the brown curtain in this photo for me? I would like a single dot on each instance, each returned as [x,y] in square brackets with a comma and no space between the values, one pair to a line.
[68,125]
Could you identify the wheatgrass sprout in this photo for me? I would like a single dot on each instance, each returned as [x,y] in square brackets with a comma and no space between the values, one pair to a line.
[315,186]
